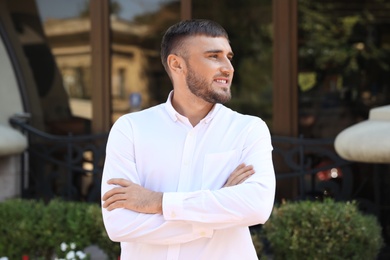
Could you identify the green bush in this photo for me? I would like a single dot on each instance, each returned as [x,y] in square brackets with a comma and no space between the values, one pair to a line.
[257,241]
[322,230]
[29,227]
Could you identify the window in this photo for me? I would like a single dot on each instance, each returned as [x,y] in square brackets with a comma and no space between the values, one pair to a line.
[249,25]
[344,57]
[136,30]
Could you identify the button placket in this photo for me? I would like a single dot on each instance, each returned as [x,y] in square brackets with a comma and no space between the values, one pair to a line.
[188,154]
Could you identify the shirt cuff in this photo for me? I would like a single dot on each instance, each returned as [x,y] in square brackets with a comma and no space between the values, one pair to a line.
[173,209]
[172,205]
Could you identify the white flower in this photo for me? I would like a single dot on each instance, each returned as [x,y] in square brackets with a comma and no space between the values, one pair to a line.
[72,245]
[81,255]
[3,258]
[64,246]
[70,255]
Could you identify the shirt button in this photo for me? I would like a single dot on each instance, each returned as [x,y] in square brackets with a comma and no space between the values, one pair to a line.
[203,233]
[173,215]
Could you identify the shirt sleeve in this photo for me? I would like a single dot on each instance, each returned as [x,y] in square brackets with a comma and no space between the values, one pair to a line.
[124,225]
[188,216]
[246,204]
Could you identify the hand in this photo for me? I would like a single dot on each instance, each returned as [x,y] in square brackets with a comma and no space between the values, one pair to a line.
[133,197]
[239,175]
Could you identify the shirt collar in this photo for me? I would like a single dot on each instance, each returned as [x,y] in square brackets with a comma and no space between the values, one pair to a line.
[175,115]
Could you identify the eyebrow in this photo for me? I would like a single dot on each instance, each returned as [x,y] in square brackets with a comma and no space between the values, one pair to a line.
[230,53]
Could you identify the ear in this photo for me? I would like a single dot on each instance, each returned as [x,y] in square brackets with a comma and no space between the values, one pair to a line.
[175,63]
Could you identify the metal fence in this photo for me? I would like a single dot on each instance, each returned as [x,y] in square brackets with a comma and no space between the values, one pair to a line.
[314,165]
[71,166]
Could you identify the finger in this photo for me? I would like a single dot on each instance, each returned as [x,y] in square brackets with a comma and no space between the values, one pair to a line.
[241,171]
[245,178]
[239,167]
[112,192]
[119,181]
[240,176]
[114,199]
[116,205]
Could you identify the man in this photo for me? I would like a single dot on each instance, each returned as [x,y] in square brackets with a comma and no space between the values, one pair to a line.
[185,179]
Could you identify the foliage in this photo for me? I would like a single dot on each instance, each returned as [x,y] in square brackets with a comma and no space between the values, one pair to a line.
[257,240]
[32,228]
[322,230]
[337,42]
[343,63]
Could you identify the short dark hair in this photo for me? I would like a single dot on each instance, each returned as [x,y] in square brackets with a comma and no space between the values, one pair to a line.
[174,36]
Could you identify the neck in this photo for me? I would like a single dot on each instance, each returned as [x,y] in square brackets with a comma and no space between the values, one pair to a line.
[190,106]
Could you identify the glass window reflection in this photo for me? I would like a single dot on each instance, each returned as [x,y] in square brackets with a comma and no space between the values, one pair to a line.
[138,78]
[67,27]
[43,39]
[344,52]
[249,25]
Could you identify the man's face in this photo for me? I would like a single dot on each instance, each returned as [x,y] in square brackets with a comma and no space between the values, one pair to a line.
[209,69]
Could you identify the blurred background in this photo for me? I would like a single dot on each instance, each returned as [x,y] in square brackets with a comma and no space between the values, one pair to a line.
[308,68]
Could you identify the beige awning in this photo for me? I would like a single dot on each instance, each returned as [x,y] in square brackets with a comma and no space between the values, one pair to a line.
[367,141]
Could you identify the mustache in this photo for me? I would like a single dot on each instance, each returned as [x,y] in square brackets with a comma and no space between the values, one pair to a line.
[223,74]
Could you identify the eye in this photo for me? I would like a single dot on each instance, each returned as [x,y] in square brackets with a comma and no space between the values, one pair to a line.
[214,56]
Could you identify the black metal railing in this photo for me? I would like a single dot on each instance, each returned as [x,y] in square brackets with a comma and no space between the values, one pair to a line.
[315,166]
[61,166]
[71,166]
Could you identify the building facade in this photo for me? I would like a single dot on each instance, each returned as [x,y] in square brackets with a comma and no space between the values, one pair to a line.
[308,68]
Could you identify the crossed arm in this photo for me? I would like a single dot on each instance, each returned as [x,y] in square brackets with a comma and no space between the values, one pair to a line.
[147,216]
[129,195]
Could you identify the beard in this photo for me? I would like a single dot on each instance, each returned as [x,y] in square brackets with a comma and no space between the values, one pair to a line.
[202,89]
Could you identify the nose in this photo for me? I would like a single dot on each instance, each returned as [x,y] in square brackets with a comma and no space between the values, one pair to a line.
[227,67]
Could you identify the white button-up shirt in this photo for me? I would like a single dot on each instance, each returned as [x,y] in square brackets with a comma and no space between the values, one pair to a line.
[159,149]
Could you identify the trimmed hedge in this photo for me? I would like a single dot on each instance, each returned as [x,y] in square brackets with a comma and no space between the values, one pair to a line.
[322,230]
[295,230]
[29,227]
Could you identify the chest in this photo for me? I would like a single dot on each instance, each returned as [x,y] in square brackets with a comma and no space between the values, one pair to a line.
[183,159]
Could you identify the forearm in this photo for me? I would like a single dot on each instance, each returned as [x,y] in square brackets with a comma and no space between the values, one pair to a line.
[187,216]
[128,226]
[142,219]
[243,205]
[128,195]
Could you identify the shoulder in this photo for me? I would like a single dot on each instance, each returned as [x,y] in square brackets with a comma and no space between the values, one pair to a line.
[246,125]
[139,118]
[236,118]
[140,115]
